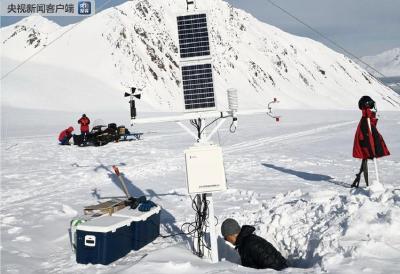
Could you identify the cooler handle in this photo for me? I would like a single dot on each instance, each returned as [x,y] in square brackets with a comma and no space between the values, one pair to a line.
[90,240]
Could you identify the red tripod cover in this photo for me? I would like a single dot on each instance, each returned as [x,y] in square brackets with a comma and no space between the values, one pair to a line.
[367,144]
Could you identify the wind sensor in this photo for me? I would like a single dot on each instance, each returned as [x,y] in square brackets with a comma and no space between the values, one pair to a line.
[133,96]
[188,3]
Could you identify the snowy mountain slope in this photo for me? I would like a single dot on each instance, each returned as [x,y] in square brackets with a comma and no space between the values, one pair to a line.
[55,87]
[28,35]
[387,62]
[135,44]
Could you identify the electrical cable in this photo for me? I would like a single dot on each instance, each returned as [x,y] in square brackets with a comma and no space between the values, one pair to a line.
[198,228]
[209,124]
[197,125]
[232,127]
[216,119]
[328,39]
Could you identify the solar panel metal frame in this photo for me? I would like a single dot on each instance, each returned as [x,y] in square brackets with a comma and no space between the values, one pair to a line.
[194,41]
[197,92]
[198,87]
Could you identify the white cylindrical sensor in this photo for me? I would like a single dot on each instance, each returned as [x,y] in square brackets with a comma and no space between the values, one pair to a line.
[233,102]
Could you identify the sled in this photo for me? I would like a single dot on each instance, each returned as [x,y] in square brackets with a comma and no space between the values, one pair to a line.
[111,206]
[136,136]
[108,207]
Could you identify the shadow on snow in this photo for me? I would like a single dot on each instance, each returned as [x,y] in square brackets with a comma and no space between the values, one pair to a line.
[314,177]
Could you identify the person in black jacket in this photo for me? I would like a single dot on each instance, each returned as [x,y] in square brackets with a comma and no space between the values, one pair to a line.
[254,251]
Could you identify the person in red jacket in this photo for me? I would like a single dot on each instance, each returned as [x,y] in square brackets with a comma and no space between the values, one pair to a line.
[84,121]
[65,135]
[368,142]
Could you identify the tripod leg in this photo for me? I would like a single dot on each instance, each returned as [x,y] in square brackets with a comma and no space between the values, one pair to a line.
[365,170]
[356,181]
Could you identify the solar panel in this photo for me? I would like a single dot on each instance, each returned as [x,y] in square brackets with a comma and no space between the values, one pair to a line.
[193,35]
[198,87]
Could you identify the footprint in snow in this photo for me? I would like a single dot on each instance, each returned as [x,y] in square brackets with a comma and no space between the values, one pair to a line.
[14,230]
[22,239]
[9,220]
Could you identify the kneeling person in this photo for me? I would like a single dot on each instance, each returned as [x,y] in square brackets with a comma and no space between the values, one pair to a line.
[65,135]
[254,251]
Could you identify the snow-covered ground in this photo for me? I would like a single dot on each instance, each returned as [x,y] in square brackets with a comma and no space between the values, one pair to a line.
[289,179]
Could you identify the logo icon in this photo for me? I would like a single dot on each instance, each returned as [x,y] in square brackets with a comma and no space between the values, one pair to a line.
[84,7]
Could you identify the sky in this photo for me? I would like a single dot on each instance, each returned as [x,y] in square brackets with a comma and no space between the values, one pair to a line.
[364,27]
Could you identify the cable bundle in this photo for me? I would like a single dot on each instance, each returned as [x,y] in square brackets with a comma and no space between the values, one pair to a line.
[198,228]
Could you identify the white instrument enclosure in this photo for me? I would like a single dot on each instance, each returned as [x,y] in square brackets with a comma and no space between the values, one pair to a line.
[205,172]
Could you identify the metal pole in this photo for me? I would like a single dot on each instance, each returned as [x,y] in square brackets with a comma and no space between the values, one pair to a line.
[215,129]
[187,130]
[213,233]
[197,246]
[196,115]
[202,134]
[376,170]
[211,219]
[375,161]
[116,170]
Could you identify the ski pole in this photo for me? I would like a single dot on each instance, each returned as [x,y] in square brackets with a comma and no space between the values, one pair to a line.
[116,170]
[375,161]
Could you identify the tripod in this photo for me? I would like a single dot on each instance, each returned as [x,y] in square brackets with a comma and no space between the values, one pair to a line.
[363,169]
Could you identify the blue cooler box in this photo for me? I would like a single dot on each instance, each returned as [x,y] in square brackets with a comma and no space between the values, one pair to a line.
[145,226]
[106,239]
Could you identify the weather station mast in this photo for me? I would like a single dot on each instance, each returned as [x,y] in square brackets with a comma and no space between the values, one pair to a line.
[205,173]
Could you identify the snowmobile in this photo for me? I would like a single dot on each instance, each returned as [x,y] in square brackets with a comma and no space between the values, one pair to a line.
[101,135]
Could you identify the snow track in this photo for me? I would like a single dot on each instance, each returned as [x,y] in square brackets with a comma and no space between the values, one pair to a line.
[268,140]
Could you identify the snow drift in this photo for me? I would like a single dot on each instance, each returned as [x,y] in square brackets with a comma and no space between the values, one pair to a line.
[135,44]
[315,231]
[325,228]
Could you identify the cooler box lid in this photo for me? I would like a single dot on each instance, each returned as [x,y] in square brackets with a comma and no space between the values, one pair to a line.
[105,224]
[134,215]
